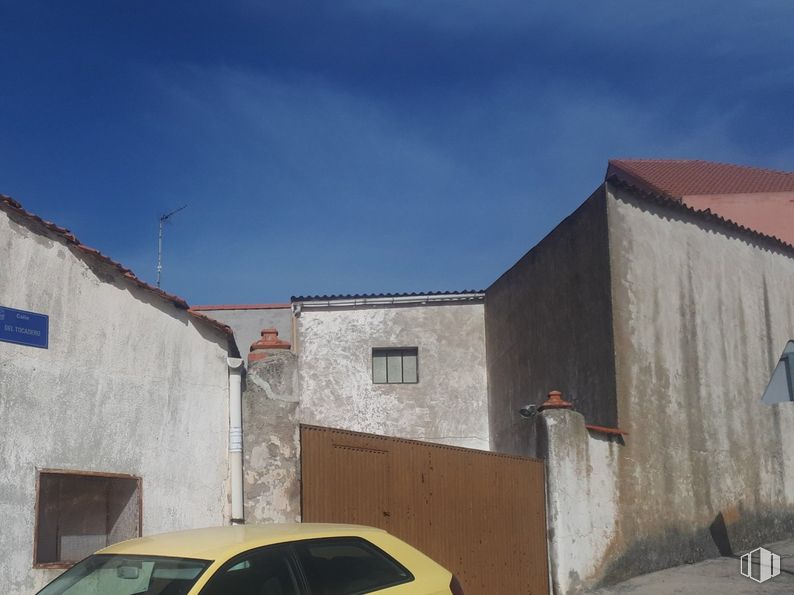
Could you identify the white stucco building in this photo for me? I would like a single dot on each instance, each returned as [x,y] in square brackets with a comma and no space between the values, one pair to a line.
[119,426]
[659,308]
[406,365]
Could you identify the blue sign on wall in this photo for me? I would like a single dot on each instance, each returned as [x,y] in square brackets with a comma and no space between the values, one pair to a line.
[24,328]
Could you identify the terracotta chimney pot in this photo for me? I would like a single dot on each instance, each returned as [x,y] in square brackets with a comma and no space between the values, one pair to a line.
[555,401]
[267,342]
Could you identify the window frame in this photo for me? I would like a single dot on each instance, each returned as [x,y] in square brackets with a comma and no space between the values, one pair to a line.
[290,556]
[410,577]
[384,352]
[293,557]
[75,472]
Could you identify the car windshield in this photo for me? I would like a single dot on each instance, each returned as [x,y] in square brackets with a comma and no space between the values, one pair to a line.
[120,574]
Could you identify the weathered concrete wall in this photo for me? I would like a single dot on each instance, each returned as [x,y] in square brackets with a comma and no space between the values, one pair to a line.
[271,439]
[581,503]
[330,384]
[449,403]
[129,384]
[248,322]
[701,314]
[548,327]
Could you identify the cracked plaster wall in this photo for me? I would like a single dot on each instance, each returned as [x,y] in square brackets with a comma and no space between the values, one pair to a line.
[449,403]
[271,440]
[130,384]
[329,383]
[581,505]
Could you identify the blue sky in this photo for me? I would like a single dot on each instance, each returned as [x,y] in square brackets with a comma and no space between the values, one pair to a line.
[370,146]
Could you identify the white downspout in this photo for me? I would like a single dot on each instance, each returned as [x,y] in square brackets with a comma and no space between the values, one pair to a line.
[236,437]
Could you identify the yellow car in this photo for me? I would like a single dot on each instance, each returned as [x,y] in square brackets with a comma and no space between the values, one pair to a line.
[289,559]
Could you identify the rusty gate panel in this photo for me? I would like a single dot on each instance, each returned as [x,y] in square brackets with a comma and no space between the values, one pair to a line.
[482,515]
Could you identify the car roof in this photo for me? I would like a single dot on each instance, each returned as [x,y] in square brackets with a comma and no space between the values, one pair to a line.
[221,542]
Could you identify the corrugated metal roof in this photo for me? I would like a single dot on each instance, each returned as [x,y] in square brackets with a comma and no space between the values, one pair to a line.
[472,293]
[10,205]
[689,177]
[240,307]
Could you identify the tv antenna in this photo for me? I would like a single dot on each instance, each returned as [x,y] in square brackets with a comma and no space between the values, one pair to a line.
[163,219]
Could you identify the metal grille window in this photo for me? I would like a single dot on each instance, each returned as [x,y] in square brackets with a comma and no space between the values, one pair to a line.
[395,366]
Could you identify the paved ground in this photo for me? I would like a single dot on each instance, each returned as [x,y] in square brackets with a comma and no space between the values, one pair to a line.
[720,576]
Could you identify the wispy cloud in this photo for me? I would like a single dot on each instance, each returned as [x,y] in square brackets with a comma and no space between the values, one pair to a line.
[336,191]
[373,146]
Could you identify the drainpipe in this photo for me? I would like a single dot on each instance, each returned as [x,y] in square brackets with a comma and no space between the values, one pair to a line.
[236,437]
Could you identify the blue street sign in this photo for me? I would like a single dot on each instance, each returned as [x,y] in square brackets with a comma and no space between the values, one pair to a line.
[24,328]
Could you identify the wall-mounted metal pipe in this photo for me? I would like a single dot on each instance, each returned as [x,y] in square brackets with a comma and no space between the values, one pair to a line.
[236,437]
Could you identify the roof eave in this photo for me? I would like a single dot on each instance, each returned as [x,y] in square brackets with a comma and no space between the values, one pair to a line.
[8,204]
[703,214]
[386,300]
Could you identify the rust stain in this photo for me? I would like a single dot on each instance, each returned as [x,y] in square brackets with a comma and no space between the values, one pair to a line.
[731,514]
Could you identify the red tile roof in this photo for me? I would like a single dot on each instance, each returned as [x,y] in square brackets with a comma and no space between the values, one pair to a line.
[9,204]
[682,177]
[706,215]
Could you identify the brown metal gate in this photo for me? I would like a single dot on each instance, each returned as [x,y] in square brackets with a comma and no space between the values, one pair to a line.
[481,515]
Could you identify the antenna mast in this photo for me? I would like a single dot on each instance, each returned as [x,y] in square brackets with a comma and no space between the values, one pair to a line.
[163,219]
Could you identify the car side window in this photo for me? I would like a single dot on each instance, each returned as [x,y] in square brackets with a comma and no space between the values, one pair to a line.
[264,571]
[348,566]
